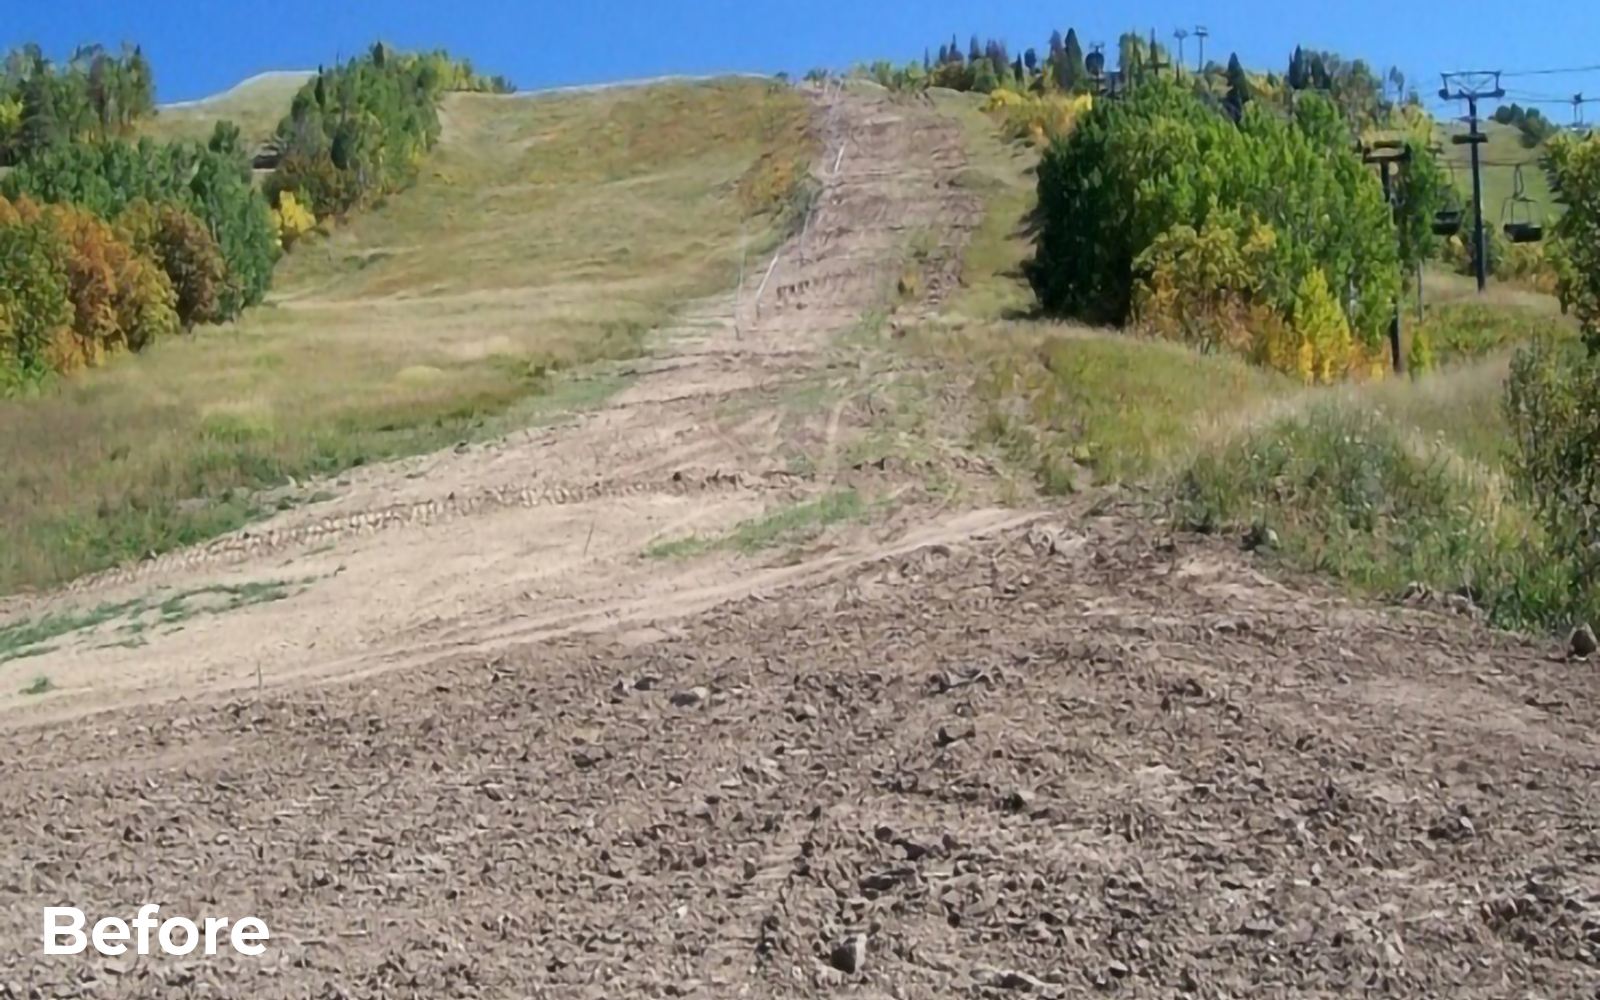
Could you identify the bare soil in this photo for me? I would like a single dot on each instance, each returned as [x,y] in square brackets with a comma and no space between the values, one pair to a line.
[979,753]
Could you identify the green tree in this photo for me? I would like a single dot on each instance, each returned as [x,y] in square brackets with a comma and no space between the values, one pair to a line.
[1239,93]
[1072,74]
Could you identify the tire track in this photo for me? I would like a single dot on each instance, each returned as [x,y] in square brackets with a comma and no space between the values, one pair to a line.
[247,545]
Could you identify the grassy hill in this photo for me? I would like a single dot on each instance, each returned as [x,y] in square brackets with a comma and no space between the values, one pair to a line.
[256,106]
[1500,155]
[545,232]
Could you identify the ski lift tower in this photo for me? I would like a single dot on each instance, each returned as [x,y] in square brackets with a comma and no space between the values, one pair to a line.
[1472,88]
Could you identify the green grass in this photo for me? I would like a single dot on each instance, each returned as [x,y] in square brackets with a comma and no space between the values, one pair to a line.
[786,526]
[32,637]
[1003,174]
[1377,485]
[546,234]
[1500,157]
[1350,496]
[256,106]
[41,685]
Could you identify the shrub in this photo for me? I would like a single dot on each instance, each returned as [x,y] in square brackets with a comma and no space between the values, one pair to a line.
[1552,404]
[105,178]
[1037,118]
[120,301]
[291,220]
[35,310]
[1135,169]
[181,244]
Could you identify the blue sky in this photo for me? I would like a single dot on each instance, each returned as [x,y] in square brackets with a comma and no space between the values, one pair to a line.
[199,48]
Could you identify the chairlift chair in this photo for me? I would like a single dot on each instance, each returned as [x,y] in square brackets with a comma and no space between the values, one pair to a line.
[1525,230]
[1447,220]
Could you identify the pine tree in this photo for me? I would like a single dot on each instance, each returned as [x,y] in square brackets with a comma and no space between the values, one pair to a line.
[927,63]
[1238,88]
[1030,59]
[974,50]
[1073,75]
[1056,45]
[955,50]
[1297,69]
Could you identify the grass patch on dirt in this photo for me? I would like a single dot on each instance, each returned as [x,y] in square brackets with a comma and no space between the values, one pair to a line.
[545,234]
[41,685]
[785,526]
[130,619]
[1349,495]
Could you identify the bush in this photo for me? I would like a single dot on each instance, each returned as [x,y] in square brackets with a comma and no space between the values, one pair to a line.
[35,310]
[291,220]
[120,301]
[1553,407]
[1136,169]
[1037,118]
[106,178]
[182,245]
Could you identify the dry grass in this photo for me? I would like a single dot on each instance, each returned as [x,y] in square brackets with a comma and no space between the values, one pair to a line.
[545,233]
[255,105]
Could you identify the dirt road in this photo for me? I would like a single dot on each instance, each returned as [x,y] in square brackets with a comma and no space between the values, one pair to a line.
[987,753]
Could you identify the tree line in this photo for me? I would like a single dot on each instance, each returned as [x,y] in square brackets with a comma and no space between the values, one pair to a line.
[109,244]
[94,95]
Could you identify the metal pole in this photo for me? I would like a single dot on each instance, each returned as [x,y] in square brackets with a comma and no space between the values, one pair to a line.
[1394,321]
[1480,254]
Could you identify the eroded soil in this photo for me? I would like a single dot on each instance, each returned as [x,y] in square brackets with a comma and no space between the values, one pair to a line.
[1071,758]
[956,753]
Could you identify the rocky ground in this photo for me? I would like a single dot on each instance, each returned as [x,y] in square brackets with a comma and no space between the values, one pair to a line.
[497,752]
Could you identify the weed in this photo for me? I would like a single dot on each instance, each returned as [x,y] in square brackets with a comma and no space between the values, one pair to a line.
[40,685]
[788,526]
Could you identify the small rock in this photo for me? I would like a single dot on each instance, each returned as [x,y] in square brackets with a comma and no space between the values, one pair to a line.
[691,697]
[1582,644]
[1021,982]
[1020,800]
[1119,969]
[850,954]
[1260,537]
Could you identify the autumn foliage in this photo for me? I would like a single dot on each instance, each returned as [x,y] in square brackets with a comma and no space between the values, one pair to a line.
[73,292]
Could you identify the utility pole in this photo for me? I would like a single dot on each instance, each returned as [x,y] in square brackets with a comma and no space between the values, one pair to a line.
[1473,87]
[1577,111]
[1180,35]
[1385,153]
[1202,33]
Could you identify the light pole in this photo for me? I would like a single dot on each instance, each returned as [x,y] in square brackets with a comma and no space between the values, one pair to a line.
[1202,33]
[1180,35]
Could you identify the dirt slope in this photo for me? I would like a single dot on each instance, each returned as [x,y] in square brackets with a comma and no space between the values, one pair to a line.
[1060,761]
[1009,754]
[546,532]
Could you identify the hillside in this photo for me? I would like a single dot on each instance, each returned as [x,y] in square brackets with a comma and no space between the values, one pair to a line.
[256,105]
[1501,156]
[544,233]
[685,545]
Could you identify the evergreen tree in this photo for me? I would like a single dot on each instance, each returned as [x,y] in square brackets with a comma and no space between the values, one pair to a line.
[1297,69]
[1056,46]
[1074,77]
[944,54]
[1318,75]
[974,50]
[927,62]
[1030,59]
[1238,88]
[955,50]
[1018,75]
